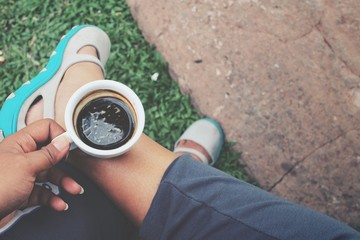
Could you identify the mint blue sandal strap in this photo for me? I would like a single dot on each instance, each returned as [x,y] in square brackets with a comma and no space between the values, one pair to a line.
[45,84]
[197,153]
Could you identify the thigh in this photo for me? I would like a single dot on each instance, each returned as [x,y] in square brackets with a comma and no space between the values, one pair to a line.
[195,201]
[90,216]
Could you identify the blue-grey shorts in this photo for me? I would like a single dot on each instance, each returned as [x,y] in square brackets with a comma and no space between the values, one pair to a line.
[193,201]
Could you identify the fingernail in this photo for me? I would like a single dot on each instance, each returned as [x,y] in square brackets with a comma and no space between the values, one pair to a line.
[66,207]
[60,142]
[82,190]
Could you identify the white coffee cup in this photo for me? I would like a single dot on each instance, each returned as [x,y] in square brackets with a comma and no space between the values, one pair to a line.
[95,90]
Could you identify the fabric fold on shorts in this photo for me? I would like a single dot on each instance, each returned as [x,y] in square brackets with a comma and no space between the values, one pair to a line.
[195,201]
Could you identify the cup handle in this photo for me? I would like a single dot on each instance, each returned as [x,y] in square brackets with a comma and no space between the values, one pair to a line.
[72,144]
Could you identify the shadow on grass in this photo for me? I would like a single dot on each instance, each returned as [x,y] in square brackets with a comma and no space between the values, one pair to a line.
[229,163]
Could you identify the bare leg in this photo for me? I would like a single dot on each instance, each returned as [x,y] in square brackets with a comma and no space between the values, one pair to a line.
[130,180]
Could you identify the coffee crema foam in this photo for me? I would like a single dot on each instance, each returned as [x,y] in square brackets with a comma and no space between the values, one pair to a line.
[105,121]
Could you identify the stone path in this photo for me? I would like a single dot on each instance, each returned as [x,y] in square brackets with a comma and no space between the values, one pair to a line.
[283,79]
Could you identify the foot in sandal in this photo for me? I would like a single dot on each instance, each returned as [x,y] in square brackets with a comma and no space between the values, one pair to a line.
[78,58]
[203,140]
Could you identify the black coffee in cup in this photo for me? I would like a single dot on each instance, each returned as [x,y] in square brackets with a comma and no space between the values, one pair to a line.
[105,122]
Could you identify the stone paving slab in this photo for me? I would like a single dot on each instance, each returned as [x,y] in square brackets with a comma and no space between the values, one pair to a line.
[282,77]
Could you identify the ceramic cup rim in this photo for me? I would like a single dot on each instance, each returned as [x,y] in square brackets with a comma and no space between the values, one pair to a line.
[106,85]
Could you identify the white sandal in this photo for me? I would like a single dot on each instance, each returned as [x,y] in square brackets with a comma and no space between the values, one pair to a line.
[46,83]
[208,134]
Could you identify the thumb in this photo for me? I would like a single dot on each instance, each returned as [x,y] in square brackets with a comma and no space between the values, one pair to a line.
[49,155]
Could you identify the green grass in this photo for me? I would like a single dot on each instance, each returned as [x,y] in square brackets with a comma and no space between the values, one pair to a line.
[32,28]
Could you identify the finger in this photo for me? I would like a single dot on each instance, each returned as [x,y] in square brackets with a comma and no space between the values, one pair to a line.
[49,155]
[43,130]
[71,186]
[60,178]
[28,138]
[43,196]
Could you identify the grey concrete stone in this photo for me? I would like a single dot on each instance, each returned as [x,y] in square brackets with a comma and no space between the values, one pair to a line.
[282,77]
